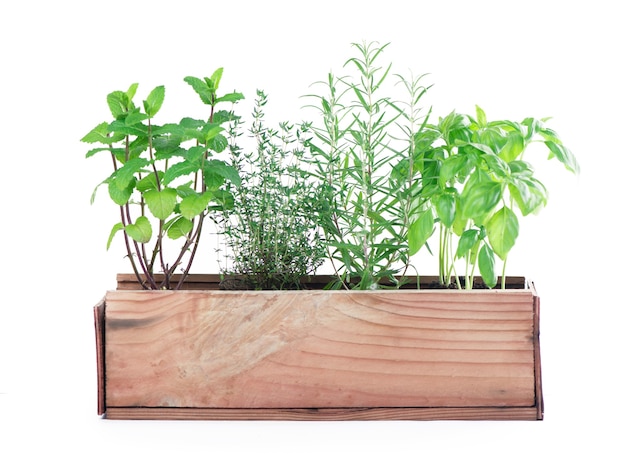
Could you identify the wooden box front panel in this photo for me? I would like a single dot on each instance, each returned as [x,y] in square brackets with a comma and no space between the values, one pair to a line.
[320,349]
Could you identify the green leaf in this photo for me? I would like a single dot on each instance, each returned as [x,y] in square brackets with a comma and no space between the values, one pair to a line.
[161,203]
[216,78]
[179,227]
[221,169]
[480,198]
[420,231]
[529,194]
[195,204]
[564,155]
[120,195]
[118,103]
[230,97]
[116,228]
[154,101]
[467,241]
[502,231]
[207,95]
[98,135]
[141,230]
[481,117]
[178,170]
[445,204]
[513,148]
[149,182]
[486,266]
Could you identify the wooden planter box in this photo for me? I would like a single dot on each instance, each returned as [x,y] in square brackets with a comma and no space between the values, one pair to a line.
[427,354]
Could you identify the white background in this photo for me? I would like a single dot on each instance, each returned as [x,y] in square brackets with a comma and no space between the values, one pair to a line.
[514,59]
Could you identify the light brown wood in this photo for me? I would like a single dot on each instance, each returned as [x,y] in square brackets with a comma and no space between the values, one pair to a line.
[409,354]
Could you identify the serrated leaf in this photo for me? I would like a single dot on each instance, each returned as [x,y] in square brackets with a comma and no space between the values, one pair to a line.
[154,101]
[230,97]
[213,168]
[149,182]
[161,203]
[98,135]
[180,227]
[119,103]
[218,143]
[194,204]
[178,170]
[141,230]
[207,95]
[120,195]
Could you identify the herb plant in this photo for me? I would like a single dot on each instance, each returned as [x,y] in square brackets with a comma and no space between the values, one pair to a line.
[165,178]
[477,183]
[271,231]
[362,136]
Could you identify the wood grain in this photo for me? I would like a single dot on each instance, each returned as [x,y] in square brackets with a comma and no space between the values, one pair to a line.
[389,354]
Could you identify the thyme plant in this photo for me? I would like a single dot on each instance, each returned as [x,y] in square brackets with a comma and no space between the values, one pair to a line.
[362,136]
[271,230]
[165,178]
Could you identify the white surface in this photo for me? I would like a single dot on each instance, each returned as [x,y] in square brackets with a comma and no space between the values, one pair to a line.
[534,58]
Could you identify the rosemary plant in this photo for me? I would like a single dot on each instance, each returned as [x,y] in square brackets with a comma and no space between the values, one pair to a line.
[364,137]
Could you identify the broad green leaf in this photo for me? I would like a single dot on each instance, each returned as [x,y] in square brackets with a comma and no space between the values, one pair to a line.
[141,230]
[513,148]
[478,199]
[134,117]
[125,175]
[218,143]
[149,182]
[195,204]
[116,228]
[564,155]
[497,165]
[154,101]
[445,204]
[118,103]
[502,231]
[486,266]
[420,231]
[180,227]
[466,242]
[161,203]
[120,196]
[178,170]
[529,194]
[220,168]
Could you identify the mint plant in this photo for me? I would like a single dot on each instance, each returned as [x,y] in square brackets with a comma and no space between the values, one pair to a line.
[271,230]
[477,184]
[166,178]
[362,136]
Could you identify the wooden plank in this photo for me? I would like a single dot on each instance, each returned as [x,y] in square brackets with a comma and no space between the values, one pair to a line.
[98,311]
[411,352]
[328,414]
